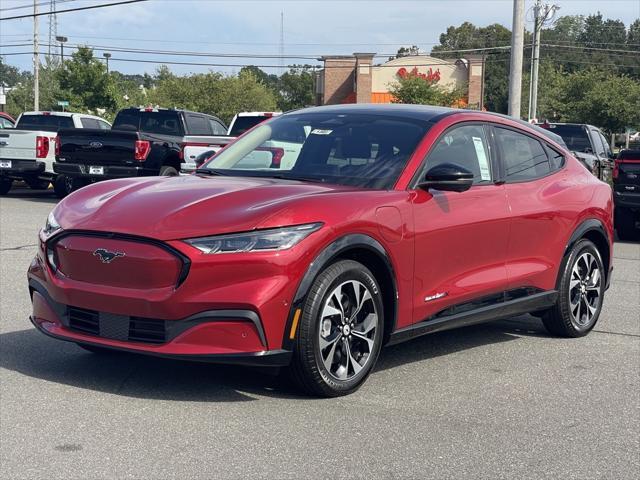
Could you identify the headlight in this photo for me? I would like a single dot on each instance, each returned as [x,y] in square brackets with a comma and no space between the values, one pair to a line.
[255,241]
[51,226]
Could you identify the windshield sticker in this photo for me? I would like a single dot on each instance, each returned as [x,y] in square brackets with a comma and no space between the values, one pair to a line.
[318,131]
[485,173]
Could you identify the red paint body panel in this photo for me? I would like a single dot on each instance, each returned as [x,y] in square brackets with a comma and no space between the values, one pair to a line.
[466,245]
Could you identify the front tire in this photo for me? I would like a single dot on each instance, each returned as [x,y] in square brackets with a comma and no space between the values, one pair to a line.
[340,332]
[580,293]
[64,185]
[625,224]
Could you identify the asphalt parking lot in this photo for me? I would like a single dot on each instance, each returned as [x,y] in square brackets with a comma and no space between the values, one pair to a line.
[501,400]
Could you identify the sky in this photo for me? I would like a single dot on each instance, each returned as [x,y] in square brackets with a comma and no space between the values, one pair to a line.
[311,28]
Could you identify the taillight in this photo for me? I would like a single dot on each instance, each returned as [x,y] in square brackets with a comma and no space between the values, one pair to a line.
[142,149]
[42,147]
[616,168]
[278,153]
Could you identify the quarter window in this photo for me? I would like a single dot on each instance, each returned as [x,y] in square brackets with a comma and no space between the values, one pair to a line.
[524,157]
[467,147]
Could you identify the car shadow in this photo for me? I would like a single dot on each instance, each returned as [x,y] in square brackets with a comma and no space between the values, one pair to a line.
[30,353]
[36,196]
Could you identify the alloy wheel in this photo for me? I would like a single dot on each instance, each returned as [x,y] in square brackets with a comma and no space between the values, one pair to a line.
[347,330]
[585,288]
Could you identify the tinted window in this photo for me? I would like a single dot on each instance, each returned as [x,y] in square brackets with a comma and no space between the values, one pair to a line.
[575,136]
[162,122]
[217,128]
[5,123]
[197,125]
[49,123]
[467,147]
[362,150]
[556,159]
[597,143]
[524,157]
[103,125]
[89,123]
[242,124]
[607,149]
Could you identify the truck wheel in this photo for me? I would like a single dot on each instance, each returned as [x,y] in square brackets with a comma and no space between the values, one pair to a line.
[64,185]
[37,184]
[5,185]
[168,171]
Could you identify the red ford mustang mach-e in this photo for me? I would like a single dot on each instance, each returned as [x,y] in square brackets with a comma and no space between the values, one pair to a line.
[323,234]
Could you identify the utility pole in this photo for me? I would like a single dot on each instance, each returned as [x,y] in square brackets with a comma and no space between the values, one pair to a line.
[541,15]
[515,71]
[36,59]
[281,46]
[62,41]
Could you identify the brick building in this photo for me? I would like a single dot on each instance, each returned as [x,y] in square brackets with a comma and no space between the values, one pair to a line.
[355,79]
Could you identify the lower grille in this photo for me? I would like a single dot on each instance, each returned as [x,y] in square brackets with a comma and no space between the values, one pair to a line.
[84,321]
[116,327]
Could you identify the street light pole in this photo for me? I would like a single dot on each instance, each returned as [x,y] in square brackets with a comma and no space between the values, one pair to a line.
[62,41]
[107,56]
[36,59]
[515,71]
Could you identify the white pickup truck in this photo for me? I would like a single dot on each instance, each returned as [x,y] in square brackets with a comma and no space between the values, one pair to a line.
[197,148]
[28,152]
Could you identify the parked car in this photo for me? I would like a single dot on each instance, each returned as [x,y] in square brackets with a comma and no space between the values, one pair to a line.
[394,221]
[588,144]
[626,194]
[6,121]
[27,152]
[244,121]
[142,142]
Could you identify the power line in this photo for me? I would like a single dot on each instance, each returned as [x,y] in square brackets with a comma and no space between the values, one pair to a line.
[77,9]
[30,5]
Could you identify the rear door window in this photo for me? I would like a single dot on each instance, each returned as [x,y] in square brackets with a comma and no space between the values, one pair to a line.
[89,123]
[523,157]
[217,127]
[197,125]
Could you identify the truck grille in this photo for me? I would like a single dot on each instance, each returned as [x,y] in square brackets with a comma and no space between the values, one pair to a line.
[116,327]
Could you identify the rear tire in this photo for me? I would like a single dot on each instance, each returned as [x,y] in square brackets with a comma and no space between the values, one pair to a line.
[5,185]
[340,331]
[580,293]
[168,171]
[64,185]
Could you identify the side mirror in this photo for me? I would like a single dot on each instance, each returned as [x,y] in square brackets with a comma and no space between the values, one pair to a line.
[447,177]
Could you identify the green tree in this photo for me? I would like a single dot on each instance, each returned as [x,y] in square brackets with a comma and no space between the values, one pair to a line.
[295,88]
[20,98]
[85,83]
[406,52]
[416,90]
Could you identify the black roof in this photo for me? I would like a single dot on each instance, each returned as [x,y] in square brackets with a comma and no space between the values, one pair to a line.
[418,112]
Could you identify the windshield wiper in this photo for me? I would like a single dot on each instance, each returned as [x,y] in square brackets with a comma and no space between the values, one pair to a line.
[282,176]
[209,171]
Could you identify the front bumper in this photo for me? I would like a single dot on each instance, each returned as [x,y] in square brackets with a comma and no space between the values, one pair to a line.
[20,168]
[214,336]
[110,171]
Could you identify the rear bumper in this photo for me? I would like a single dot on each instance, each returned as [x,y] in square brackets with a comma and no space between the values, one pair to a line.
[214,336]
[110,171]
[22,168]
[626,200]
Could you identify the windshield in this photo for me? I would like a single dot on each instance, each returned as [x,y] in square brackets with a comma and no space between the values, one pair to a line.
[360,150]
[47,123]
[575,136]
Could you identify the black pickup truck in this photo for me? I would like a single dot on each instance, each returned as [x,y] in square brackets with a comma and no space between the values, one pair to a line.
[141,142]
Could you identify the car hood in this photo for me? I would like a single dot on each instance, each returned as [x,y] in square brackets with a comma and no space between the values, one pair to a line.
[168,208]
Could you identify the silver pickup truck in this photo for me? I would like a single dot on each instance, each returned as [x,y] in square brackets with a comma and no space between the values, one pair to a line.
[27,152]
